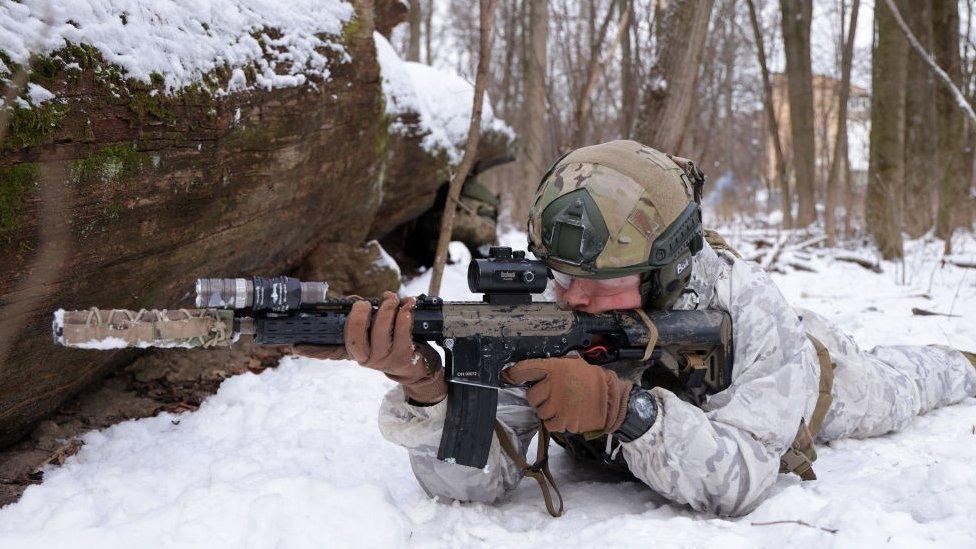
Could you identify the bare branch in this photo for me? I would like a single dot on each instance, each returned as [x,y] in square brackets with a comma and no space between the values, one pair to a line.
[487,8]
[927,57]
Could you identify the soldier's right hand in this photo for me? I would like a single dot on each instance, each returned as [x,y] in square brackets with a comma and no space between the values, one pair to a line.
[387,346]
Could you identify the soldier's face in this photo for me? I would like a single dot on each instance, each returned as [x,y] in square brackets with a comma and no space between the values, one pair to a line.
[598,296]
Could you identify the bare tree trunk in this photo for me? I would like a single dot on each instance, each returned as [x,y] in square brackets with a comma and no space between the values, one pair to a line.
[413,34]
[920,128]
[944,17]
[886,169]
[797,17]
[533,137]
[511,14]
[782,176]
[428,26]
[729,46]
[850,210]
[954,153]
[594,67]
[839,162]
[682,26]
[486,8]
[628,89]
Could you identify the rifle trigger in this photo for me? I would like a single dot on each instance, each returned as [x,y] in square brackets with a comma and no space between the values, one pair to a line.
[598,354]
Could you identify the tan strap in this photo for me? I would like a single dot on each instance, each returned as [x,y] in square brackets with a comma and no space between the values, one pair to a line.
[824,398]
[538,470]
[651,333]
[802,453]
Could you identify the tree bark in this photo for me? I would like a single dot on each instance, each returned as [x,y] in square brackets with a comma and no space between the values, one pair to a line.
[886,167]
[948,17]
[682,26]
[782,176]
[920,127]
[532,161]
[486,9]
[428,30]
[511,14]
[954,181]
[838,164]
[628,89]
[593,69]
[797,16]
[413,35]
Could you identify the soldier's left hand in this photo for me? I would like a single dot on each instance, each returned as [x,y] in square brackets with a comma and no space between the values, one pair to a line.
[570,395]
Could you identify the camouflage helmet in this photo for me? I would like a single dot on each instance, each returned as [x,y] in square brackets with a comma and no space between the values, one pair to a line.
[617,209]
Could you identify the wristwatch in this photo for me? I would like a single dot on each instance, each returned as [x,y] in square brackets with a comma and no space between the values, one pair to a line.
[641,413]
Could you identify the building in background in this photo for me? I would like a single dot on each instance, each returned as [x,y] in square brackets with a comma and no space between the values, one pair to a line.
[825,91]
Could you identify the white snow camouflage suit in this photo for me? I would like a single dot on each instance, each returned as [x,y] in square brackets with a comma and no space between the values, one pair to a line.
[721,458]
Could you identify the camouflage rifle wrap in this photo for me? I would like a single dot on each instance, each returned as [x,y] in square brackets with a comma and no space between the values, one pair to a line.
[480,339]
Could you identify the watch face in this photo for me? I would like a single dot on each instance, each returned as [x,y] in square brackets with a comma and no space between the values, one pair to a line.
[641,405]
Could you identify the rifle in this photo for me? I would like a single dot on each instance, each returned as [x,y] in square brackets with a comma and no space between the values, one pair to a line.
[480,339]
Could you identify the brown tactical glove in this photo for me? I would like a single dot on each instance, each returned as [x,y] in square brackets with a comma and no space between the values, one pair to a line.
[389,348]
[572,395]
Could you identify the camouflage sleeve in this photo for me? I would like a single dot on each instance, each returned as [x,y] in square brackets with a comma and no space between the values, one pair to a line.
[724,458]
[418,429]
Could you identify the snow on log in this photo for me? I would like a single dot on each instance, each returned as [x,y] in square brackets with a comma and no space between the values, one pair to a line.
[159,141]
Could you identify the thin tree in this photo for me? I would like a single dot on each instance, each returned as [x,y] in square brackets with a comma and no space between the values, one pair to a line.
[628,82]
[797,16]
[886,165]
[593,70]
[428,31]
[782,176]
[950,100]
[681,27]
[413,34]
[533,137]
[921,133]
[486,9]
[944,78]
[839,161]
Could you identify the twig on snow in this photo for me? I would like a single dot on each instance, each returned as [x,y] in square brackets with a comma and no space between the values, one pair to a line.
[801,266]
[959,262]
[923,312]
[866,263]
[800,522]
[774,254]
[807,243]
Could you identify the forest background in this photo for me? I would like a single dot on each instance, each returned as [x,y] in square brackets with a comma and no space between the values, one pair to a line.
[698,78]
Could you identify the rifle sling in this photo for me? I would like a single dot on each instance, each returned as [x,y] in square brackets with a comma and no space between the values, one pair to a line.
[538,470]
[800,456]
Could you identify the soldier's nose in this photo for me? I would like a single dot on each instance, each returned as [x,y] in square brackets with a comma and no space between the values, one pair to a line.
[575,296]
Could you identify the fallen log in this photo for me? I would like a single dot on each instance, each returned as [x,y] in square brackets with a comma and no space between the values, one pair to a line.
[857,260]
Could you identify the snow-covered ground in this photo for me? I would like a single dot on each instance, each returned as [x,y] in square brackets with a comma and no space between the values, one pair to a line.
[293,458]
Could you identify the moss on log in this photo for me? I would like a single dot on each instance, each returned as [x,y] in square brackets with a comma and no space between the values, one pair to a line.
[161,188]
